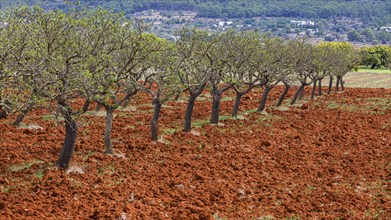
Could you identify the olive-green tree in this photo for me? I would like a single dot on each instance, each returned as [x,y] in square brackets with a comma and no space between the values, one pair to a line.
[375,57]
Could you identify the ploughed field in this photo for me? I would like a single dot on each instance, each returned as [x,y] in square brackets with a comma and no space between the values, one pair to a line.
[322,159]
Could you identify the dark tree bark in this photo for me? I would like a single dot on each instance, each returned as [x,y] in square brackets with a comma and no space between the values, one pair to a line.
[313,89]
[126,100]
[70,137]
[177,96]
[236,105]
[214,119]
[188,113]
[97,107]
[239,95]
[301,94]
[337,84]
[19,119]
[341,82]
[21,116]
[190,106]
[262,105]
[320,87]
[297,94]
[216,95]
[154,121]
[109,126]
[70,132]
[286,89]
[3,114]
[126,103]
[330,85]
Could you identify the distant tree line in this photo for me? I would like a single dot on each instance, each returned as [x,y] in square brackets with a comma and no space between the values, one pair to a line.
[48,59]
[314,9]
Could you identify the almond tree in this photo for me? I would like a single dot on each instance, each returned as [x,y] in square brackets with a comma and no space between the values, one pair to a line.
[325,59]
[120,64]
[220,79]
[343,58]
[289,75]
[15,37]
[164,83]
[59,47]
[269,62]
[26,65]
[193,67]
[304,65]
[348,59]
[242,65]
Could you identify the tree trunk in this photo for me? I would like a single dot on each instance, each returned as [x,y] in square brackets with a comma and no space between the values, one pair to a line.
[154,121]
[189,112]
[341,82]
[109,126]
[97,107]
[337,84]
[3,114]
[70,139]
[313,89]
[19,119]
[330,85]
[126,103]
[301,94]
[21,116]
[297,94]
[287,87]
[320,87]
[237,104]
[214,119]
[262,104]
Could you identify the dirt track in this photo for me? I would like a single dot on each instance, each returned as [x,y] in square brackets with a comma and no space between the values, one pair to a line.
[325,159]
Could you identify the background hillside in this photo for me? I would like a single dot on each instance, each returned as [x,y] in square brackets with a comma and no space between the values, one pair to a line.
[362,21]
[365,9]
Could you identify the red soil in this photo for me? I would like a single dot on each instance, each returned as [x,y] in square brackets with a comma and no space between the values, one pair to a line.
[326,159]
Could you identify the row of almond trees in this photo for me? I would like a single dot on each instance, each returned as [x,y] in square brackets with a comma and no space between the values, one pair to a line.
[48,59]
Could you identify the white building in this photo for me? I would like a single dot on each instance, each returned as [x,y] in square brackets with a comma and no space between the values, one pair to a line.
[302,23]
[388,29]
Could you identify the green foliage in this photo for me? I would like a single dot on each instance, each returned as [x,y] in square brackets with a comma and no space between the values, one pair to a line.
[375,57]
[354,35]
[368,34]
[337,58]
[194,69]
[383,36]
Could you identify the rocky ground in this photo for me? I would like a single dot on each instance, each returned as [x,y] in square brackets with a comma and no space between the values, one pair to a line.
[323,159]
